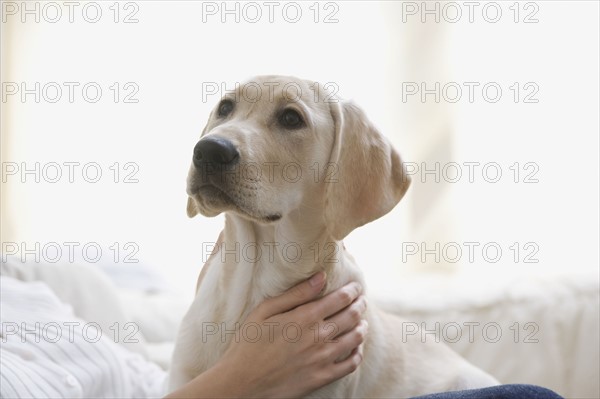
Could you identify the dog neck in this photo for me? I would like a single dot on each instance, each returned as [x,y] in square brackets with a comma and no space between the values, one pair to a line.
[264,260]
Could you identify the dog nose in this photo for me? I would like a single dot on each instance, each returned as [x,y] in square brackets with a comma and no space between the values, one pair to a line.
[216,151]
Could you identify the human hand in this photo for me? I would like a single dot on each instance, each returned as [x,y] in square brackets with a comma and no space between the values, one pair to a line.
[301,341]
[300,345]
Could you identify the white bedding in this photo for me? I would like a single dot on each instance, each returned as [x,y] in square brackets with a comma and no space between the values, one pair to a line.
[48,352]
[558,349]
[557,345]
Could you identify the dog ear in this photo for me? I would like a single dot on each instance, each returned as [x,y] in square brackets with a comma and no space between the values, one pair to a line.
[371,178]
[191,210]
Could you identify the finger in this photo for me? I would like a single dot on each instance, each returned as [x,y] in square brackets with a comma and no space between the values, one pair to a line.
[350,341]
[294,297]
[347,366]
[335,301]
[349,317]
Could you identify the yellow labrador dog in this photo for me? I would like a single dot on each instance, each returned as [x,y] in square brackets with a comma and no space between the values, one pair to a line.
[296,170]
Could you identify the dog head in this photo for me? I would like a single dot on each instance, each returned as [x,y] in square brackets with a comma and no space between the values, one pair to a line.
[278,145]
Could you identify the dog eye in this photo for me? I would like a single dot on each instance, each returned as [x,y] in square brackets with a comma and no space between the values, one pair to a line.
[291,119]
[225,108]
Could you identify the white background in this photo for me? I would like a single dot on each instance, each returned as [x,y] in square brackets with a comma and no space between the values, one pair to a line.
[170,52]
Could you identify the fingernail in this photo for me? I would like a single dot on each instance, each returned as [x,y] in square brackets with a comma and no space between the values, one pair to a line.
[317,279]
[357,288]
[364,303]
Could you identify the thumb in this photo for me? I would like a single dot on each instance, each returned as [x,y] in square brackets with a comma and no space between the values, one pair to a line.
[294,297]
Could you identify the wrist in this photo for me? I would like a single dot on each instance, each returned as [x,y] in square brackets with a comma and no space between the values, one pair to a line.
[237,381]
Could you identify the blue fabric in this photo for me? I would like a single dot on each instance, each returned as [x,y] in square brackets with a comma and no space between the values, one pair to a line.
[498,392]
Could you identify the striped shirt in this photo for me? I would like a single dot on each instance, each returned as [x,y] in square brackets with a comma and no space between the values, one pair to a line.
[47,352]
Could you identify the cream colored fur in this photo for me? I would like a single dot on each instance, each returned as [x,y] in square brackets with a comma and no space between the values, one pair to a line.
[351,175]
